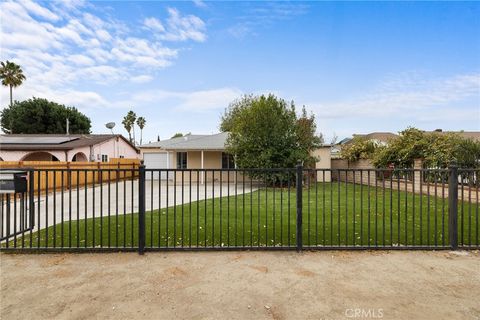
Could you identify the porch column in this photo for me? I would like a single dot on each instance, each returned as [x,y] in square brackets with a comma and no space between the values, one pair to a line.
[202,180]
[167,174]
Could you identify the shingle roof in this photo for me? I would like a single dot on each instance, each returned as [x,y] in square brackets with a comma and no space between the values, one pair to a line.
[54,141]
[380,136]
[192,142]
[475,135]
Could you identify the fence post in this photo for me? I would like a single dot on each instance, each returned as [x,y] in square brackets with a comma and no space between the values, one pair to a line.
[141,208]
[453,206]
[299,205]
[31,198]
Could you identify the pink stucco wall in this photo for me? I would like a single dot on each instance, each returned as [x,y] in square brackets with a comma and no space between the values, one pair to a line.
[113,148]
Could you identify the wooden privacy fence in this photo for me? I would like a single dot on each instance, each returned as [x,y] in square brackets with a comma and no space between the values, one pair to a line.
[49,175]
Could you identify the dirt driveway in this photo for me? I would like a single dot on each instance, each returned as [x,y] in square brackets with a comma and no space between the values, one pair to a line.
[242,285]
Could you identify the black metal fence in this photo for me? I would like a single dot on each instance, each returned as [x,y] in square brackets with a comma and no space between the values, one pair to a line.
[235,209]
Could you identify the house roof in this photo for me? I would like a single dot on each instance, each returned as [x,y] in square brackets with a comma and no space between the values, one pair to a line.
[192,142]
[54,141]
[380,136]
[195,142]
[475,135]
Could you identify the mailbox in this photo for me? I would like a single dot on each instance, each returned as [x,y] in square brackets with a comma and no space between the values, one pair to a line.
[13,181]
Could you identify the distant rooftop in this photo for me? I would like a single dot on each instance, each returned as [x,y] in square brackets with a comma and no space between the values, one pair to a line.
[475,135]
[380,136]
[192,142]
[53,141]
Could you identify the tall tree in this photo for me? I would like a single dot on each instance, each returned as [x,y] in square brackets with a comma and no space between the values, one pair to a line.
[128,126]
[141,124]
[42,116]
[12,76]
[132,116]
[266,133]
[308,140]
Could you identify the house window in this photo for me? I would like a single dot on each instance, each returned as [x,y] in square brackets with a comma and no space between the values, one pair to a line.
[104,158]
[228,162]
[181,160]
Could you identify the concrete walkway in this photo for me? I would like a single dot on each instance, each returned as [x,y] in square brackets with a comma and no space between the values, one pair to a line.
[109,198]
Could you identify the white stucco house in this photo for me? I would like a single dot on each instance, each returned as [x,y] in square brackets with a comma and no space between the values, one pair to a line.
[63,147]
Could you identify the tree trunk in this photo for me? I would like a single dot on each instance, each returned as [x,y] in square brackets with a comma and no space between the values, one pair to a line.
[11,101]
[134,134]
[141,136]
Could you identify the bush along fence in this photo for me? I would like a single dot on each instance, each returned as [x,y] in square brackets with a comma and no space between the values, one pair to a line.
[244,209]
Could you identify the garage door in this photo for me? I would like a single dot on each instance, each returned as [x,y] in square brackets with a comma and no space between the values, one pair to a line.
[156,161]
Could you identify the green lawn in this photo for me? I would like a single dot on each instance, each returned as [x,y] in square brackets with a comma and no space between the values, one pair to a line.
[333,214]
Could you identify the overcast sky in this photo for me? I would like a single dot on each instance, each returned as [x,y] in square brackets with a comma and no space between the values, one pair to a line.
[360,67]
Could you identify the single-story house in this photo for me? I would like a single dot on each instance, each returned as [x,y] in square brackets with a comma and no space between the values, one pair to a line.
[63,147]
[201,152]
[380,138]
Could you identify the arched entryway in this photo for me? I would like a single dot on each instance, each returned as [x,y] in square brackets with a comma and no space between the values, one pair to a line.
[39,156]
[80,157]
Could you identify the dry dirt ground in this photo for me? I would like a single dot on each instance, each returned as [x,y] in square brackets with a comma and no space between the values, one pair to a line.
[242,285]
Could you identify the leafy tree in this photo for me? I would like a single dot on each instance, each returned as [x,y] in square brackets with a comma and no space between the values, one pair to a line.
[141,124]
[177,135]
[42,116]
[266,133]
[306,134]
[12,76]
[437,149]
[359,148]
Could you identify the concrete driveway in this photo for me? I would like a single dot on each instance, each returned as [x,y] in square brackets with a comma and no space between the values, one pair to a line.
[107,198]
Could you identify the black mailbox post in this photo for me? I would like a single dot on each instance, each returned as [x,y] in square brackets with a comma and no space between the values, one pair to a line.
[17,203]
[13,181]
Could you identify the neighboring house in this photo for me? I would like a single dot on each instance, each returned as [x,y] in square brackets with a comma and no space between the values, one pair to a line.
[475,135]
[198,152]
[380,138]
[337,148]
[62,147]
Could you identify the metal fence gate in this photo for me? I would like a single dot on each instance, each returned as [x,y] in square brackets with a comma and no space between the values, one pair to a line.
[241,209]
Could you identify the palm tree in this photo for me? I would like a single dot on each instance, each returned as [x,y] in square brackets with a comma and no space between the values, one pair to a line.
[131,118]
[11,75]
[141,124]
[127,125]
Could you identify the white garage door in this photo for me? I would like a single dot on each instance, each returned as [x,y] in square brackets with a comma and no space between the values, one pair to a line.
[156,160]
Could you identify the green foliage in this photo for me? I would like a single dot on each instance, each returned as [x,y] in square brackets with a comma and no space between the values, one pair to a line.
[141,124]
[11,75]
[177,135]
[306,135]
[129,123]
[359,148]
[42,116]
[266,133]
[438,150]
